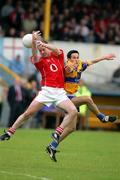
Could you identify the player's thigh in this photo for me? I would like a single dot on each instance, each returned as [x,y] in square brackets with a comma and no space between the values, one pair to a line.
[67,106]
[77,101]
[34,107]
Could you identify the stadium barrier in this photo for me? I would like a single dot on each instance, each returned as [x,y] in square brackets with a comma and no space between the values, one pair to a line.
[109,105]
[9,76]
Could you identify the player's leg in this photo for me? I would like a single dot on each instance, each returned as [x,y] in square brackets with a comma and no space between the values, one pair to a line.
[51,148]
[78,101]
[68,130]
[31,110]
[70,118]
[70,115]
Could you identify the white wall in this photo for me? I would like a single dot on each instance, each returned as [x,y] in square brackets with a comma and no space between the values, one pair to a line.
[99,73]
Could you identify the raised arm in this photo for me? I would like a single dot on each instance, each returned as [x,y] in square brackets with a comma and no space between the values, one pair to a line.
[35,36]
[51,47]
[108,57]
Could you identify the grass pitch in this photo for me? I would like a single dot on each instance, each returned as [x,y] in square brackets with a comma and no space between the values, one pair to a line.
[84,155]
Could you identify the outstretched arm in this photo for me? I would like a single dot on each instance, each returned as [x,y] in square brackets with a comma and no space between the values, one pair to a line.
[108,57]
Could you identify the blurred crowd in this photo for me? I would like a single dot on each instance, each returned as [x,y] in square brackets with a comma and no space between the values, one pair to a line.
[18,17]
[88,21]
[96,21]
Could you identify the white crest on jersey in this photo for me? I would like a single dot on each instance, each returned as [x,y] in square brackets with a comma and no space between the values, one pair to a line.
[53,67]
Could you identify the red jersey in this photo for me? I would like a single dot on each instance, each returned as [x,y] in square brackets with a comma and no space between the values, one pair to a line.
[52,70]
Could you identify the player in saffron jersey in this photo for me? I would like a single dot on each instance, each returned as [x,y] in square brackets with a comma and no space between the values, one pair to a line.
[51,66]
[73,70]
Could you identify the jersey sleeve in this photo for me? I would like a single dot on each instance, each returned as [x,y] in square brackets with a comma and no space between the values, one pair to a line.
[37,64]
[60,56]
[84,66]
[32,61]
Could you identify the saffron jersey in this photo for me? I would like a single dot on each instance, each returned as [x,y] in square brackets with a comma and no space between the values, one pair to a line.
[52,70]
[72,78]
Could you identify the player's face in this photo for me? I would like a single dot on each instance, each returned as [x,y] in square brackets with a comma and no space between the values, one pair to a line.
[74,57]
[43,51]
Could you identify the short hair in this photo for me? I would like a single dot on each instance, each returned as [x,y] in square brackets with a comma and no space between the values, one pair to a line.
[71,52]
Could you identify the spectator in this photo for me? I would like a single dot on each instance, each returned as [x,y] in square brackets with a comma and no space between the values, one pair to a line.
[3,87]
[84,31]
[17,16]
[29,24]
[2,33]
[7,9]
[18,98]
[17,66]
[11,32]
[21,34]
[117,34]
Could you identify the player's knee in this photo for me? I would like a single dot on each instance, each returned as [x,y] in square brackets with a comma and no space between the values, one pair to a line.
[89,100]
[73,112]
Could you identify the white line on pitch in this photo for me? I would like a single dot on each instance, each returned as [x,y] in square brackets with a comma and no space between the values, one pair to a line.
[27,175]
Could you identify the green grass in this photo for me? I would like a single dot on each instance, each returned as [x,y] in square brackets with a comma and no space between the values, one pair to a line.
[85,155]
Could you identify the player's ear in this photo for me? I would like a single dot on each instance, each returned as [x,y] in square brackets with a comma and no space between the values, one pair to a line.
[68,59]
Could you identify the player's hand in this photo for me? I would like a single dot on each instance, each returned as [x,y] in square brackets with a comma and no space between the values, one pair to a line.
[110,57]
[69,68]
[40,43]
[36,35]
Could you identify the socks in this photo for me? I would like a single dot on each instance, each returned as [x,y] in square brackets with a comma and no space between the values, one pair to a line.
[100,116]
[59,130]
[54,144]
[11,131]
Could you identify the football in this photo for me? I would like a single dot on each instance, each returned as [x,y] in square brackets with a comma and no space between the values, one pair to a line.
[27,40]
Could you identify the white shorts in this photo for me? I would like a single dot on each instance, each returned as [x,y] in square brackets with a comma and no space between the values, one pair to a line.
[50,95]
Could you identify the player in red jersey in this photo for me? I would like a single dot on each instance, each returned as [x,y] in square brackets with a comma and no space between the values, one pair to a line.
[51,66]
